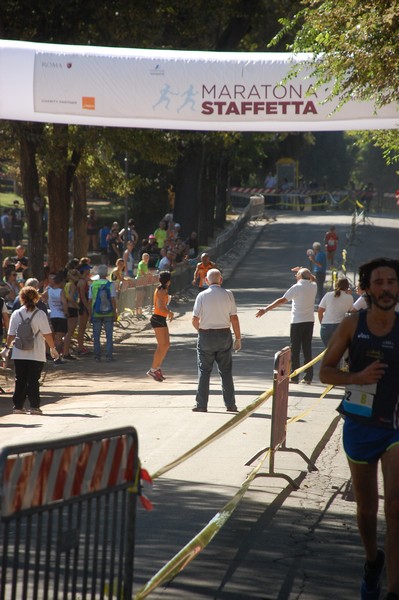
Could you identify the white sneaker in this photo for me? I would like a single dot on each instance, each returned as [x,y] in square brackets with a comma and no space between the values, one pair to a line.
[35,411]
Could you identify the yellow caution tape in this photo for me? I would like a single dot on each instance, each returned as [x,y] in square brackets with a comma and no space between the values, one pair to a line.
[243,414]
[201,540]
[206,535]
[309,364]
[309,410]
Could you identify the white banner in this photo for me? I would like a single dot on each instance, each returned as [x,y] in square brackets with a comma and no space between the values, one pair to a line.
[164,89]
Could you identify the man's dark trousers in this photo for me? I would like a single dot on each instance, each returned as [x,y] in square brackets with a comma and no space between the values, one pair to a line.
[301,338]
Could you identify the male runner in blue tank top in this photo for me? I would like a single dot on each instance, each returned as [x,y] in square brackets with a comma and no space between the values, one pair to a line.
[370,408]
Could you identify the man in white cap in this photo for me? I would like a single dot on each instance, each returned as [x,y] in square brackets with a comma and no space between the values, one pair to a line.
[102,295]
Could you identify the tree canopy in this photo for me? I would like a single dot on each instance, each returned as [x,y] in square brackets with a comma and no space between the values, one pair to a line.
[355,42]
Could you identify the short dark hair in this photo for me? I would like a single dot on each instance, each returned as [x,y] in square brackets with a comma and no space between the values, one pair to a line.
[367,268]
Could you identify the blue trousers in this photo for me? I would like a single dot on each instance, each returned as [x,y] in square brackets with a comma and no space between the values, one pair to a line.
[108,323]
[326,331]
[320,279]
[215,346]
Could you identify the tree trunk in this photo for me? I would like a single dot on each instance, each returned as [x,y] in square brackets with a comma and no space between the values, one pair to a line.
[79,217]
[58,222]
[188,188]
[59,183]
[29,135]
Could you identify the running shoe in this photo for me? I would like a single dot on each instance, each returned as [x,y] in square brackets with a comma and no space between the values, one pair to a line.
[35,411]
[83,352]
[59,362]
[162,375]
[19,411]
[371,584]
[155,375]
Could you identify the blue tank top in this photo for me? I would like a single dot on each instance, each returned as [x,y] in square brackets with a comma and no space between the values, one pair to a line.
[376,404]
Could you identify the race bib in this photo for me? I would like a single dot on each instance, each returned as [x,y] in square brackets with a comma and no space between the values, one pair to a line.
[359,399]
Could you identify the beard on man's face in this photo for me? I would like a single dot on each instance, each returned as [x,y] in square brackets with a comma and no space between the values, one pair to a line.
[379,300]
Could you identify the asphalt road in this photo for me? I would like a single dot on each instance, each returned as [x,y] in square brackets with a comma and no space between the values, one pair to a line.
[280,543]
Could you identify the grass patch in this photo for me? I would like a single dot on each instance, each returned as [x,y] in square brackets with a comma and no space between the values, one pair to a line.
[7,199]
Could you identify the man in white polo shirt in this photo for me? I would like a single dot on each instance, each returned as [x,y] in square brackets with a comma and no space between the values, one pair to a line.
[214,314]
[302,295]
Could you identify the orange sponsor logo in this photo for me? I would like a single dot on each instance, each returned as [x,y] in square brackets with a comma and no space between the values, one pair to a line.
[88,103]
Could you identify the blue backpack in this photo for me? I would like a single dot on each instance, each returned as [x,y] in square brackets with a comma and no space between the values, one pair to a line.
[103,302]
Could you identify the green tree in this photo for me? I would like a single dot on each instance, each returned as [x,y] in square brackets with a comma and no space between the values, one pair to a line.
[355,44]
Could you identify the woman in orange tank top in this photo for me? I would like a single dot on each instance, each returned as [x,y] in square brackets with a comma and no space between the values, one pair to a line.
[160,326]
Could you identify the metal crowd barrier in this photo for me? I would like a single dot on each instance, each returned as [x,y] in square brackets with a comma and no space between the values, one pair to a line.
[139,294]
[67,517]
[278,429]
